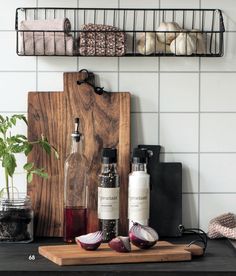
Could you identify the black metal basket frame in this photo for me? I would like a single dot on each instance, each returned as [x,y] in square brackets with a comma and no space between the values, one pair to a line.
[215,47]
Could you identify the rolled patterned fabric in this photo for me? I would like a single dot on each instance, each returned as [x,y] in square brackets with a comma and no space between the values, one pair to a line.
[101,40]
[62,25]
[48,37]
[223,226]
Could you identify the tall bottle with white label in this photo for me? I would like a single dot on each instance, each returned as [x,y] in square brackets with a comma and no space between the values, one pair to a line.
[139,189]
[108,195]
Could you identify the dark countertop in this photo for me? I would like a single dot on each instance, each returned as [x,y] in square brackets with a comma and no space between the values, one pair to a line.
[220,259]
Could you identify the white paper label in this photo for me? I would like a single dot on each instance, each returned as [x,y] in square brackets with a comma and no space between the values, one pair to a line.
[138,204]
[108,203]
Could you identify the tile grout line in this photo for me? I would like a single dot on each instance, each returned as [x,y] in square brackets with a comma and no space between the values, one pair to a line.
[199,134]
[159,91]
[115,71]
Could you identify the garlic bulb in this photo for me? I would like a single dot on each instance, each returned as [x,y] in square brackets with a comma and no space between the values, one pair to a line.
[188,44]
[201,42]
[162,47]
[148,44]
[166,27]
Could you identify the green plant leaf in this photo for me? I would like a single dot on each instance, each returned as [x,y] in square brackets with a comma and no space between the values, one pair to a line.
[40,172]
[17,148]
[46,146]
[56,154]
[2,192]
[19,117]
[2,147]
[9,162]
[29,177]
[13,120]
[28,148]
[28,166]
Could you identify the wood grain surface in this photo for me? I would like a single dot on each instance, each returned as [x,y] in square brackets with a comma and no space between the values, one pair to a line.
[105,122]
[162,252]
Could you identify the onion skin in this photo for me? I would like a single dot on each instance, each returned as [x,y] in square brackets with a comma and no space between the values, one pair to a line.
[143,244]
[86,241]
[120,244]
[140,242]
[87,246]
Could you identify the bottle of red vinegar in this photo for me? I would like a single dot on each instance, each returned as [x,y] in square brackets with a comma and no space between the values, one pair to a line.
[75,197]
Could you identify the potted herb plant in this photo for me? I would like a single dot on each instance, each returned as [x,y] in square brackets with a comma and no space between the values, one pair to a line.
[16,214]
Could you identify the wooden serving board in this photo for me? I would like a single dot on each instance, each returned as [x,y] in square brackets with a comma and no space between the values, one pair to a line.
[105,122]
[162,252]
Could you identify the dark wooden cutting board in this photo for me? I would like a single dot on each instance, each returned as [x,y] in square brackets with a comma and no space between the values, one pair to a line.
[105,122]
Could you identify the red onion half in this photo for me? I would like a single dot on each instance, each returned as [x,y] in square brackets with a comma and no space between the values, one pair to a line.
[143,237]
[90,241]
[120,244]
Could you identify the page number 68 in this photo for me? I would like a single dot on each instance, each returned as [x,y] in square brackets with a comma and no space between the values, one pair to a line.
[31,257]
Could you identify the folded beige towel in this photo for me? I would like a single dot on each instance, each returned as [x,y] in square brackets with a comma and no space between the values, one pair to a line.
[52,37]
[223,226]
[47,45]
[46,25]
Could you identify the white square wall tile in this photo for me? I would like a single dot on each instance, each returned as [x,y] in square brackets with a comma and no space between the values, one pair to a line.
[14,88]
[139,64]
[10,61]
[179,132]
[144,90]
[178,15]
[50,81]
[218,92]
[102,4]
[190,210]
[189,170]
[154,4]
[144,129]
[217,132]
[189,4]
[57,64]
[179,64]
[107,80]
[7,13]
[179,92]
[229,11]
[212,205]
[57,3]
[225,63]
[98,63]
[217,173]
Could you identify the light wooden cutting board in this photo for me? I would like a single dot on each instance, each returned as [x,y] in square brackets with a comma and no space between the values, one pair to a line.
[162,252]
[105,122]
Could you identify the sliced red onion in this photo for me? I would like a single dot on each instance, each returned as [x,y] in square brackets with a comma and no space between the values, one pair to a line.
[142,236]
[90,241]
[120,244]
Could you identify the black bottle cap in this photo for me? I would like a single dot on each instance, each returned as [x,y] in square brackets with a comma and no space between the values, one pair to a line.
[76,134]
[109,155]
[140,155]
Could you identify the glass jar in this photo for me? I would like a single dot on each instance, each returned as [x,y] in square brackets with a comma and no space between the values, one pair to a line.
[16,220]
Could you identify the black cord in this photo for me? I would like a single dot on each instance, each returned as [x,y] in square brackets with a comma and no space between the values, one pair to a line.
[202,236]
[97,89]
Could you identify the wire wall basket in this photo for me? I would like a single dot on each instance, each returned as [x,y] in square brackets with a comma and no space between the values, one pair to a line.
[119,32]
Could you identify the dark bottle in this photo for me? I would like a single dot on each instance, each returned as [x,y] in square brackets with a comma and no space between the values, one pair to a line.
[108,195]
[75,197]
